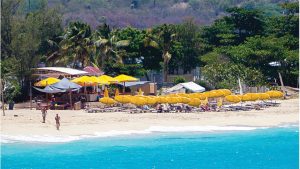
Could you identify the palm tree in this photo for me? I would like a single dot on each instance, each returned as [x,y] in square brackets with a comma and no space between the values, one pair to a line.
[161,38]
[108,45]
[76,44]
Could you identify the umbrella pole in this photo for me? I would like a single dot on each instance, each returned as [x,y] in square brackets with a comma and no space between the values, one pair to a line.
[70,97]
[47,95]
[124,89]
[47,99]
[30,94]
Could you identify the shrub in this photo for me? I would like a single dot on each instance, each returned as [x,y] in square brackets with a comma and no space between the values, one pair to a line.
[179,79]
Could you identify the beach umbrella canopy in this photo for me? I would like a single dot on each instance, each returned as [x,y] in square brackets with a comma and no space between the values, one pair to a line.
[138,101]
[161,99]
[220,102]
[225,91]
[194,102]
[205,101]
[123,99]
[108,79]
[185,100]
[65,84]
[232,98]
[274,94]
[150,100]
[140,92]
[46,82]
[96,80]
[117,92]
[182,94]
[263,96]
[107,100]
[49,89]
[252,96]
[84,81]
[125,78]
[106,92]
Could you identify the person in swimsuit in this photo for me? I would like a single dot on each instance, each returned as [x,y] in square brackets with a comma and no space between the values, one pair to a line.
[44,113]
[57,120]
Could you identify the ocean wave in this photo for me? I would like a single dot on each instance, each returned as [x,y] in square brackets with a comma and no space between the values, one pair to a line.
[113,133]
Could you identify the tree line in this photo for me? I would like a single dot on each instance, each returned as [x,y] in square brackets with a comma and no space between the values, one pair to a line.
[246,44]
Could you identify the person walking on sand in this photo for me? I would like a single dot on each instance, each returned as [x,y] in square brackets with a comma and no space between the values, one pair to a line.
[57,119]
[44,113]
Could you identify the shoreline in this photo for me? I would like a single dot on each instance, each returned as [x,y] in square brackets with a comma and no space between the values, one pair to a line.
[7,139]
[78,124]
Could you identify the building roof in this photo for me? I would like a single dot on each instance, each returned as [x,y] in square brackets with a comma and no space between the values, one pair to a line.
[130,84]
[188,85]
[93,71]
[65,84]
[63,70]
[49,89]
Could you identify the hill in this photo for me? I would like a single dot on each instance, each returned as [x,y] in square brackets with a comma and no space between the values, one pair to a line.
[147,13]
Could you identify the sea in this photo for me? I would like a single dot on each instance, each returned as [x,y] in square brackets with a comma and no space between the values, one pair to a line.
[193,147]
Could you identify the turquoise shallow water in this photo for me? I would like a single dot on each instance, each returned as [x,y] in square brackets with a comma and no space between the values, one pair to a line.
[262,149]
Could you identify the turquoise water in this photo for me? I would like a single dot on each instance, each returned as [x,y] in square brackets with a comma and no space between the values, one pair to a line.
[262,149]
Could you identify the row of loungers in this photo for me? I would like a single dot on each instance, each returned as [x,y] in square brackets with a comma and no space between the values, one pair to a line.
[247,107]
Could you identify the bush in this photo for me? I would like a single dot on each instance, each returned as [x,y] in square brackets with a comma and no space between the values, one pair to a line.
[204,84]
[179,79]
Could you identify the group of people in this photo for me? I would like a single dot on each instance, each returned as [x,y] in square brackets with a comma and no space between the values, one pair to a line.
[57,117]
[166,107]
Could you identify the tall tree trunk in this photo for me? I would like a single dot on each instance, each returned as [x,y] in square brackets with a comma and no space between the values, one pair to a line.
[2,96]
[165,71]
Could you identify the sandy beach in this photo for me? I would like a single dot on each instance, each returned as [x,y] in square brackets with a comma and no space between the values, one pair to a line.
[25,122]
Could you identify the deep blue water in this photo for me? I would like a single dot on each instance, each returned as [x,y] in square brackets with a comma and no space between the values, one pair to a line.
[262,149]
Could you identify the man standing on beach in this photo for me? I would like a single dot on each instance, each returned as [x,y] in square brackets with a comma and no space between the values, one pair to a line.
[44,113]
[57,119]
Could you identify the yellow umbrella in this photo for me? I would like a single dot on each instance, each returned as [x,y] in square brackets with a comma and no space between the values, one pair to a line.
[172,100]
[125,78]
[123,99]
[150,100]
[106,92]
[252,96]
[185,100]
[205,101]
[232,98]
[108,79]
[107,100]
[225,91]
[244,97]
[140,92]
[47,82]
[83,81]
[275,94]
[263,96]
[96,80]
[138,101]
[195,102]
[117,92]
[182,94]
[211,94]
[220,102]
[161,99]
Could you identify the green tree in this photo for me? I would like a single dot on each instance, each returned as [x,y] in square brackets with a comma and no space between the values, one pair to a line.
[108,46]
[161,38]
[76,46]
[246,22]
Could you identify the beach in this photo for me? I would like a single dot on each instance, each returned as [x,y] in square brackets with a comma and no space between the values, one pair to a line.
[25,122]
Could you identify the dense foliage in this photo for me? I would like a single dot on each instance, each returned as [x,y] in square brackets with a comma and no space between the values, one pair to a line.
[247,43]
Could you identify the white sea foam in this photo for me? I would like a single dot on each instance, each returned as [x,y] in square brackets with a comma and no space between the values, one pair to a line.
[113,133]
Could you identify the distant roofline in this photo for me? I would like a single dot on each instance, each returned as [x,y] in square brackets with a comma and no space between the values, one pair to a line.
[63,70]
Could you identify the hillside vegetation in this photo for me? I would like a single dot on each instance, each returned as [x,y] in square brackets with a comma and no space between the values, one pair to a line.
[148,13]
